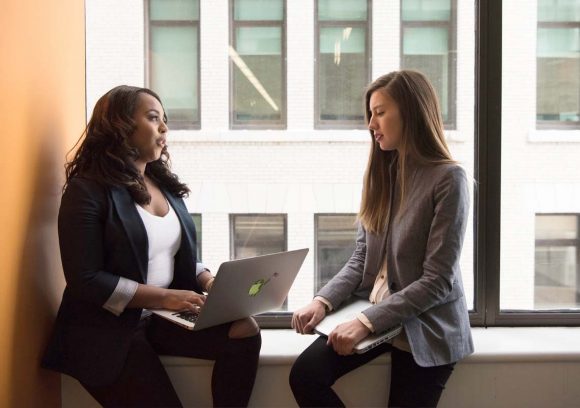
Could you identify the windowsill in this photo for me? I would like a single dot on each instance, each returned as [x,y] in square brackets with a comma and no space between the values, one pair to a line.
[554,136]
[283,136]
[498,344]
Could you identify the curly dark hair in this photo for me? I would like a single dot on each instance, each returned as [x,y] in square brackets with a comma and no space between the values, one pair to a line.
[105,155]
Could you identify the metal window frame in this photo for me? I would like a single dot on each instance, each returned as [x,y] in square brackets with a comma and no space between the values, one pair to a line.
[451,26]
[259,124]
[316,231]
[555,124]
[367,25]
[173,124]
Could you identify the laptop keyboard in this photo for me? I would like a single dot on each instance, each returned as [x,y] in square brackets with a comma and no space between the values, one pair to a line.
[187,315]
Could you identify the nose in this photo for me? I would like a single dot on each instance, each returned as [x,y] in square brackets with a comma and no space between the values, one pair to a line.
[163,128]
[372,125]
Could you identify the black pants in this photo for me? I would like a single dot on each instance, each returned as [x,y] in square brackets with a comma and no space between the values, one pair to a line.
[319,366]
[144,382]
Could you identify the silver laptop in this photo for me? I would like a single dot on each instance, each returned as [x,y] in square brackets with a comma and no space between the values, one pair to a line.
[243,288]
[349,312]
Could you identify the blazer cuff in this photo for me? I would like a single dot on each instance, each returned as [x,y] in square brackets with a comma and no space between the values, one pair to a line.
[364,320]
[325,302]
[121,296]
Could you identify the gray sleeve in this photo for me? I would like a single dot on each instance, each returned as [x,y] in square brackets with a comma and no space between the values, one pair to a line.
[121,296]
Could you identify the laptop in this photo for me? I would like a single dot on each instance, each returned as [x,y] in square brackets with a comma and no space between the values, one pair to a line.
[349,312]
[242,288]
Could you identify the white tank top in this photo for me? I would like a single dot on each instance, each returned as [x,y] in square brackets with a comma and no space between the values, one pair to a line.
[164,235]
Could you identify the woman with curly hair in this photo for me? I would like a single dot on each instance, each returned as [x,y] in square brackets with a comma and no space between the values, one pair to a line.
[128,244]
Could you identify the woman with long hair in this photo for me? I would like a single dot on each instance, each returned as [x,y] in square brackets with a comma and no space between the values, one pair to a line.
[412,221]
[128,244]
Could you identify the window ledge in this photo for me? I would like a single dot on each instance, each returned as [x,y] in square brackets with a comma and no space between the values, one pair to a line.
[284,136]
[497,344]
[554,136]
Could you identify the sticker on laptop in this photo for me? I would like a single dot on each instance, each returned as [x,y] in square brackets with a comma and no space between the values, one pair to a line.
[257,286]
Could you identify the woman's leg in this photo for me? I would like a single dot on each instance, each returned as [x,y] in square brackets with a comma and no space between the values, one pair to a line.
[317,369]
[236,359]
[413,385]
[143,382]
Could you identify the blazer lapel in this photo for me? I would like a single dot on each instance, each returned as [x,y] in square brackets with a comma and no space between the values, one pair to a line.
[187,226]
[133,225]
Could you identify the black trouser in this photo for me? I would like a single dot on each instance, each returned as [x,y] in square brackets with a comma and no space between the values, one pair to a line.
[319,366]
[144,382]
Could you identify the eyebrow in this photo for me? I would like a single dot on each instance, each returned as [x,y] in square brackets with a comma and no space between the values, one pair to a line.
[376,107]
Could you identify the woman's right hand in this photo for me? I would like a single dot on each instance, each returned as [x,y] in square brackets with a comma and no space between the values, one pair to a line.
[182,300]
[304,320]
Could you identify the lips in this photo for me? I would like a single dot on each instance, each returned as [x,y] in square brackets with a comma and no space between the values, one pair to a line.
[162,142]
[378,136]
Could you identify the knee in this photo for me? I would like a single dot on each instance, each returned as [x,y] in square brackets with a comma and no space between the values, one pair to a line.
[301,374]
[243,328]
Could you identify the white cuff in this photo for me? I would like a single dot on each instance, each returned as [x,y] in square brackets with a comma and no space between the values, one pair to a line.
[121,296]
[200,268]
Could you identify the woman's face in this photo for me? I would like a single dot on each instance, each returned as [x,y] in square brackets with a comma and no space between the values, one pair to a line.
[385,121]
[151,134]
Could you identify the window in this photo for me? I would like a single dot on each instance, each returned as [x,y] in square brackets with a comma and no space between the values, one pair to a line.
[428,45]
[197,221]
[557,262]
[558,64]
[258,64]
[343,62]
[537,201]
[257,234]
[335,236]
[173,59]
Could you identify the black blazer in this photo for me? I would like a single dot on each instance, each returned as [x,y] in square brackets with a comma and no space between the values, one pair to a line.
[102,238]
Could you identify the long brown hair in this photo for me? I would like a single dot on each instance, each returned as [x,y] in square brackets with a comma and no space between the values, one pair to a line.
[105,154]
[422,142]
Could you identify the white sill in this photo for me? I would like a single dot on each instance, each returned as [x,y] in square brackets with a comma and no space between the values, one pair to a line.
[497,344]
[284,136]
[554,136]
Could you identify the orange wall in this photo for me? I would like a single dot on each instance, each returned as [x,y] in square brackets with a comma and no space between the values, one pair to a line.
[42,105]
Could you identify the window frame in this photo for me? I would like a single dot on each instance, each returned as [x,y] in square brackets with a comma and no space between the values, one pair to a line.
[555,124]
[565,242]
[320,124]
[258,124]
[487,217]
[451,25]
[199,235]
[232,217]
[173,124]
[316,240]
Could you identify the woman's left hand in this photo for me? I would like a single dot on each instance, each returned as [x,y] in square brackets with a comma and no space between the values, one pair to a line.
[346,335]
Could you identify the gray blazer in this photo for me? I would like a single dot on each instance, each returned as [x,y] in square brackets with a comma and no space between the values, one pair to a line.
[422,246]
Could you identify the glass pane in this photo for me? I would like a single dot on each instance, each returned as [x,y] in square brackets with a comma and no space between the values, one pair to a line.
[258,74]
[197,221]
[342,73]
[255,235]
[174,10]
[426,10]
[559,10]
[540,182]
[174,70]
[558,74]
[556,283]
[427,50]
[258,10]
[335,243]
[350,10]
